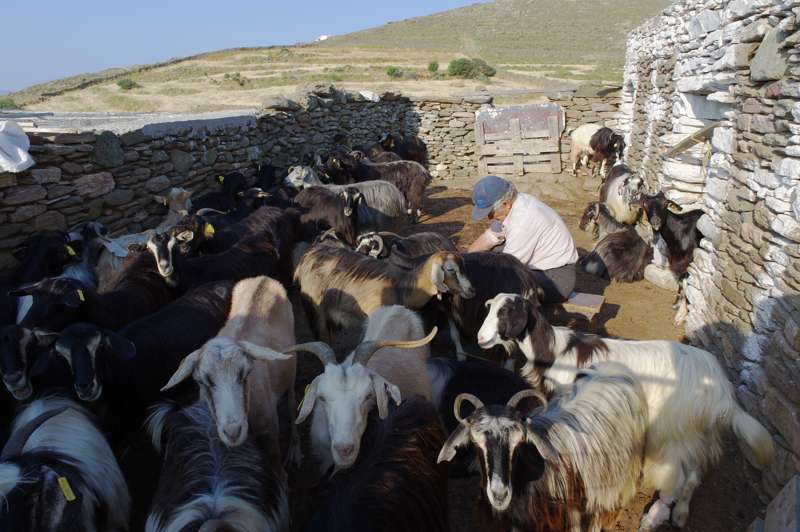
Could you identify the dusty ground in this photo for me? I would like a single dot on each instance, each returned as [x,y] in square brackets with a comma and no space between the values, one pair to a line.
[723,503]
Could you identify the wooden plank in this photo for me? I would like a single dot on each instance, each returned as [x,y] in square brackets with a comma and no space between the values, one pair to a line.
[691,140]
[509,159]
[518,169]
[525,134]
[508,169]
[516,130]
[525,146]
[555,163]
[480,140]
[552,126]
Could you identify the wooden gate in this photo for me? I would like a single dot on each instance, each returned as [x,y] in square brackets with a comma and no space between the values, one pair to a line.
[515,141]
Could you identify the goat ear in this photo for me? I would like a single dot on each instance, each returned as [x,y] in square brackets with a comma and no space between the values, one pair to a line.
[73,298]
[437,277]
[123,348]
[184,370]
[381,386]
[52,502]
[307,402]
[24,290]
[160,199]
[262,353]
[533,439]
[459,438]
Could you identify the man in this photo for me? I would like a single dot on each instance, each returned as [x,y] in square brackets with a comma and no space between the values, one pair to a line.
[528,229]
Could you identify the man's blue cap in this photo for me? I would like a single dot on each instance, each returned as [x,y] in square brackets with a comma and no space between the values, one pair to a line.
[488,191]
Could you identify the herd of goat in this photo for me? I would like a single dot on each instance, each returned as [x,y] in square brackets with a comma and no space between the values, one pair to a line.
[146,373]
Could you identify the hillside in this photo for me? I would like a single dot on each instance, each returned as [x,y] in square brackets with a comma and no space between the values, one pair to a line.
[519,31]
[535,45]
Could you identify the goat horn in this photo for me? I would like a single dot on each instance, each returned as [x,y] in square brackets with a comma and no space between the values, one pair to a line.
[365,351]
[389,233]
[209,210]
[321,349]
[519,396]
[380,244]
[474,401]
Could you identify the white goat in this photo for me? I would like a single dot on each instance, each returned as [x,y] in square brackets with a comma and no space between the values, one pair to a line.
[242,373]
[342,396]
[580,151]
[689,397]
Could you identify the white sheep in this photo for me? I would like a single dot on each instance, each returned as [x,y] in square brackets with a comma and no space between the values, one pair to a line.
[389,362]
[242,373]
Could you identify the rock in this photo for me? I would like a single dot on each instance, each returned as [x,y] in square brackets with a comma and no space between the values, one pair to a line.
[706,21]
[46,175]
[661,277]
[159,156]
[72,168]
[75,138]
[770,62]
[59,191]
[209,157]
[27,212]
[724,139]
[369,96]
[157,184]
[94,185]
[108,150]
[739,9]
[24,194]
[50,220]
[119,196]
[134,137]
[181,160]
[280,103]
[456,123]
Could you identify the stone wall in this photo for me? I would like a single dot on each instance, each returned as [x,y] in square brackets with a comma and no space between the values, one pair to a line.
[733,64]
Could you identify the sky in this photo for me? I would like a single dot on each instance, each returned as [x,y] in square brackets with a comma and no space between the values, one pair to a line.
[51,39]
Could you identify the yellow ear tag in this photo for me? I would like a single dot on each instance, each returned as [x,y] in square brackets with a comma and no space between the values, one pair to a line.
[70,251]
[66,489]
[221,179]
[673,208]
[209,230]
[80,295]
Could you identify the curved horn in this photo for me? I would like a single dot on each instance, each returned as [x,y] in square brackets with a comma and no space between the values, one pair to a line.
[209,210]
[379,239]
[323,351]
[17,441]
[366,349]
[389,233]
[477,403]
[522,394]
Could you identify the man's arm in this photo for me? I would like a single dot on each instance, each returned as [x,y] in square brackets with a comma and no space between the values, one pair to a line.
[489,239]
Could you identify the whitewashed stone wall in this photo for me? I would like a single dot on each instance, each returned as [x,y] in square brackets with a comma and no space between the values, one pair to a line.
[736,63]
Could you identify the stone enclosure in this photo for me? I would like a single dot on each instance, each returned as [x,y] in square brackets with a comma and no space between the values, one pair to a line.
[734,65]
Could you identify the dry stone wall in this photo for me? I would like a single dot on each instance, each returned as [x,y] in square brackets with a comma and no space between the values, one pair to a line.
[734,65]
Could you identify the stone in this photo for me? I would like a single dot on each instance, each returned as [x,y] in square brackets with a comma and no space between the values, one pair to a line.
[706,21]
[724,139]
[94,185]
[59,191]
[75,138]
[72,168]
[159,156]
[456,123]
[770,61]
[280,103]
[209,157]
[108,150]
[661,277]
[157,184]
[24,194]
[119,196]
[46,175]
[53,220]
[26,212]
[739,9]
[762,124]
[134,137]
[783,513]
[181,160]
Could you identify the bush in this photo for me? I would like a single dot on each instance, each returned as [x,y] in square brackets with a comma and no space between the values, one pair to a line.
[470,68]
[127,84]
[394,72]
[7,104]
[236,77]
[433,66]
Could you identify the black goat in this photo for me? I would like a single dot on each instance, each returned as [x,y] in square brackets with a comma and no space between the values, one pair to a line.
[224,199]
[408,148]
[25,362]
[410,177]
[58,302]
[395,484]
[402,250]
[223,489]
[58,473]
[678,229]
[327,209]
[620,256]
[598,220]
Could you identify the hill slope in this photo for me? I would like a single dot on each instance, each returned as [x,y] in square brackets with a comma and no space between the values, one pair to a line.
[545,31]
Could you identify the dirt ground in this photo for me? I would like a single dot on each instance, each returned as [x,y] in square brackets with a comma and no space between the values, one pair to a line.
[723,503]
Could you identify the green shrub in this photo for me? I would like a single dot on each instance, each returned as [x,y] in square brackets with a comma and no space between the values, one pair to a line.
[470,68]
[333,76]
[433,66]
[236,77]
[127,84]
[7,104]
[394,72]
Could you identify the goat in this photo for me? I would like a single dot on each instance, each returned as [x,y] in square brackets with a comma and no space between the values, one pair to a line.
[58,302]
[402,249]
[580,152]
[329,210]
[677,229]
[408,148]
[340,288]
[689,397]
[621,193]
[264,251]
[385,157]
[607,147]
[25,362]
[490,273]
[409,177]
[223,200]
[395,485]
[383,208]
[126,370]
[621,254]
[241,373]
[57,473]
[572,465]
[345,392]
[597,219]
[224,488]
